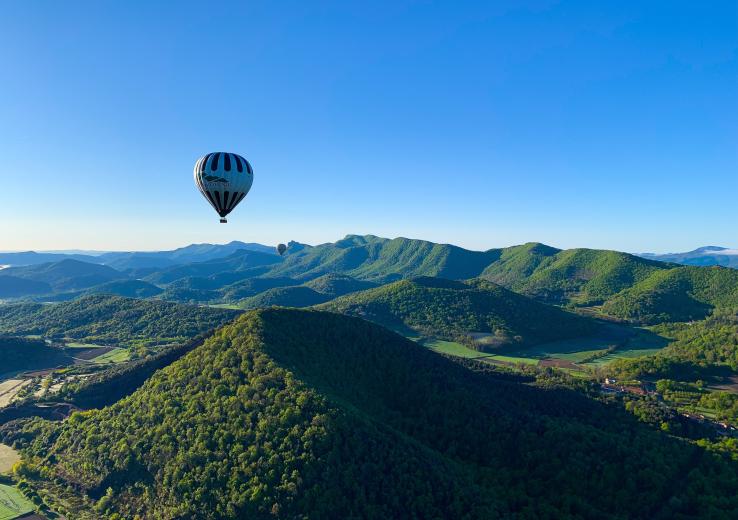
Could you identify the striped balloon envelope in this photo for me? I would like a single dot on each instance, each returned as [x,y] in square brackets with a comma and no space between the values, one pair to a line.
[224,179]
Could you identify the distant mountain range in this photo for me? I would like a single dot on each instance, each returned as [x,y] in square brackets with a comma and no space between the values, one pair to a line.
[123,260]
[708,255]
[622,285]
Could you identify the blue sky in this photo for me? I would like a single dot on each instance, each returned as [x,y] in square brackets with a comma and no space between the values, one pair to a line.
[485,124]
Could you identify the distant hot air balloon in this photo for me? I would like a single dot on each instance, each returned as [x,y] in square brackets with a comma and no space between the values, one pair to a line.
[224,179]
[281,248]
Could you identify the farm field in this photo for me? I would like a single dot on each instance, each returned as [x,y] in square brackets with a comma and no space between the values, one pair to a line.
[8,457]
[12,503]
[83,345]
[9,389]
[116,355]
[622,354]
[570,355]
[457,349]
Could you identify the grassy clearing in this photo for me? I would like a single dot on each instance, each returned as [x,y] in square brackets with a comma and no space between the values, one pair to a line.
[117,355]
[623,354]
[457,349]
[452,348]
[83,345]
[8,457]
[12,503]
[492,358]
[9,389]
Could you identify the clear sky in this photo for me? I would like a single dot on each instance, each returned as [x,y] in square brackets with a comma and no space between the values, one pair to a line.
[604,124]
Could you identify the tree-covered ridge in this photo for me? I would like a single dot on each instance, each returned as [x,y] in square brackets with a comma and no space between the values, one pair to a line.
[319,290]
[66,275]
[25,353]
[381,259]
[678,294]
[697,348]
[288,413]
[112,320]
[335,285]
[517,263]
[293,296]
[249,263]
[449,309]
[14,287]
[586,276]
[126,288]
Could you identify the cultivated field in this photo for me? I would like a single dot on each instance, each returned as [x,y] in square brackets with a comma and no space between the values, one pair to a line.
[8,457]
[574,355]
[115,355]
[9,389]
[12,503]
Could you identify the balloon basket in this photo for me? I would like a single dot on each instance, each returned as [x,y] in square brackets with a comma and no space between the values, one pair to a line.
[223,221]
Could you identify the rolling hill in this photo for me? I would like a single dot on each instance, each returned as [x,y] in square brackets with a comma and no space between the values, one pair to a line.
[335,285]
[582,276]
[319,290]
[14,287]
[302,414]
[112,320]
[248,263]
[183,255]
[66,275]
[292,296]
[381,259]
[127,288]
[679,294]
[451,309]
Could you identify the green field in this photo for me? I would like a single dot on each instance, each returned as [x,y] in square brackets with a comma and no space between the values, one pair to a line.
[117,355]
[623,354]
[457,349]
[82,345]
[12,503]
[630,343]
[452,348]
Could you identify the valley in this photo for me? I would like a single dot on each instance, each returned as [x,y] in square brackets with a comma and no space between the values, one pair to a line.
[342,341]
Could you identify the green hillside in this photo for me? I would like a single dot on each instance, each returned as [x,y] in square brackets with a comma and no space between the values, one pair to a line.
[381,259]
[112,320]
[294,296]
[66,275]
[678,294]
[334,285]
[586,276]
[300,414]
[252,287]
[699,350]
[518,262]
[127,288]
[251,263]
[26,354]
[14,287]
[449,309]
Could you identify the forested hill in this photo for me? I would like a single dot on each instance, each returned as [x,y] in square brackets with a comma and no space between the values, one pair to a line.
[451,309]
[618,284]
[112,320]
[303,414]
[381,259]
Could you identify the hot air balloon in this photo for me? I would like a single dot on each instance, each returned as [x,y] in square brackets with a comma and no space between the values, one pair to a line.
[224,179]
[281,248]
